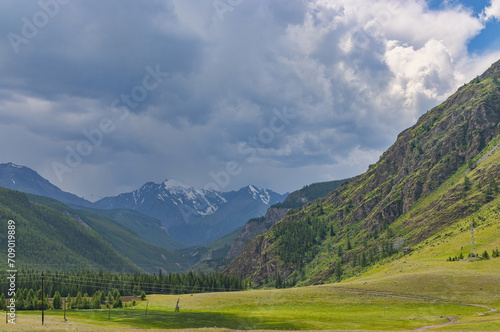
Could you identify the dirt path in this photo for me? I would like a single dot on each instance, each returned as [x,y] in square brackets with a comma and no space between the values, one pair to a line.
[454,320]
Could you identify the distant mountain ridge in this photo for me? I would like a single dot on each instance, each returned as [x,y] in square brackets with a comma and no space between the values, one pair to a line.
[24,179]
[195,216]
[191,216]
[278,211]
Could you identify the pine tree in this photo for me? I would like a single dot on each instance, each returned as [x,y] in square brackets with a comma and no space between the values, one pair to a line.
[349,246]
[96,301]
[363,259]
[467,183]
[117,303]
[78,301]
[338,271]
[68,300]
[3,304]
[110,300]
[57,301]
[485,255]
[102,297]
[143,296]
[86,302]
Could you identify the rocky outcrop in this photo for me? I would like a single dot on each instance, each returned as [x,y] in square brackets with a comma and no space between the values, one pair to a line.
[255,227]
[258,261]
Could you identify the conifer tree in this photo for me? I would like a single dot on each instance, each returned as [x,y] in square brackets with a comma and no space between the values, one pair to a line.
[57,301]
[110,300]
[467,183]
[3,304]
[338,271]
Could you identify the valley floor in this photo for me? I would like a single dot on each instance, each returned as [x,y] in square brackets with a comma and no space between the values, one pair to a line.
[421,291]
[331,307]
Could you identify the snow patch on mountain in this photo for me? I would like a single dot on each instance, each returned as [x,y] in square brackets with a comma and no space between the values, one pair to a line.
[260,194]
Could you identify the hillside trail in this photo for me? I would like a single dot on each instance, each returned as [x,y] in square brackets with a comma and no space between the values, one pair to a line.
[454,320]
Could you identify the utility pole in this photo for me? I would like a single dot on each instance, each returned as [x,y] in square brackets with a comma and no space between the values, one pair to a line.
[64,307]
[42,301]
[473,252]
[147,303]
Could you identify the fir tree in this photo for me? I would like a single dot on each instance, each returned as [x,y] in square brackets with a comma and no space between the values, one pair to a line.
[57,301]
[117,303]
[332,232]
[110,300]
[338,271]
[96,301]
[485,255]
[3,304]
[363,259]
[467,183]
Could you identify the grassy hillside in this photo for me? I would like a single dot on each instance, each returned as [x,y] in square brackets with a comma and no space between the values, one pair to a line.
[147,228]
[149,257]
[441,170]
[49,239]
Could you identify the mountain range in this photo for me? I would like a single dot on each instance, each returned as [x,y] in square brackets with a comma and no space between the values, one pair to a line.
[191,216]
[195,216]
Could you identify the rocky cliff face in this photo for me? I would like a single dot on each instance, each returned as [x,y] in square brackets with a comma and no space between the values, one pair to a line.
[255,227]
[259,261]
[420,161]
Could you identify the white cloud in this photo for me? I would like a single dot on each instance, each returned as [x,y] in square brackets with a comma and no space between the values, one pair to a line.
[492,11]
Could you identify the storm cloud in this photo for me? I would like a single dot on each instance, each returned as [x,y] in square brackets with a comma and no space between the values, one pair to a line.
[102,96]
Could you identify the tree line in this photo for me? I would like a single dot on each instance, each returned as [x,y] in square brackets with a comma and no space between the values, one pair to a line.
[109,287]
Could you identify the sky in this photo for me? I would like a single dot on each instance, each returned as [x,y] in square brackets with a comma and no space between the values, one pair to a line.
[100,97]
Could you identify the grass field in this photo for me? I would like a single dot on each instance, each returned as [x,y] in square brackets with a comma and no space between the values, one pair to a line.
[326,307]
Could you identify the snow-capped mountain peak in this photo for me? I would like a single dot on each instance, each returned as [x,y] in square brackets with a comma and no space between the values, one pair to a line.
[195,215]
[174,184]
[14,165]
[259,194]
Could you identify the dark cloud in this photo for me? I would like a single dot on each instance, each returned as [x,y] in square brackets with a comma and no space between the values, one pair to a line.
[350,75]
